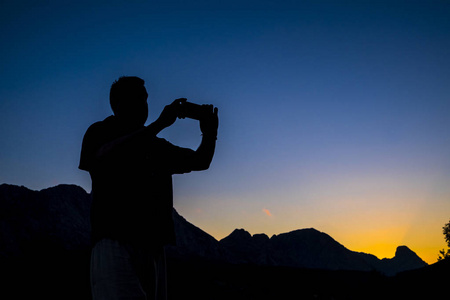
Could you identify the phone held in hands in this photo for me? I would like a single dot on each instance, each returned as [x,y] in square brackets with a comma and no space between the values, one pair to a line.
[194,111]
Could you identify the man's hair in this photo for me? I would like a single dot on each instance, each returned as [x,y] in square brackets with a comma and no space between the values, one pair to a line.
[124,89]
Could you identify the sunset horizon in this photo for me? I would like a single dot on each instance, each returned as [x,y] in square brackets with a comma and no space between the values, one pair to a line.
[382,244]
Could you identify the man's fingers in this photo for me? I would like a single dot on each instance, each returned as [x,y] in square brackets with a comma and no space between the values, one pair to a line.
[179,101]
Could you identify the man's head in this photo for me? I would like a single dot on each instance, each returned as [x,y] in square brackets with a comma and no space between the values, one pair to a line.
[128,99]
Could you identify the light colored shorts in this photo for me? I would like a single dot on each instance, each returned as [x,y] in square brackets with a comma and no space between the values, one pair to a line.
[121,271]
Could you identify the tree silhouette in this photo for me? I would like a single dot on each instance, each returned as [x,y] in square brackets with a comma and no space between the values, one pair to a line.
[446,231]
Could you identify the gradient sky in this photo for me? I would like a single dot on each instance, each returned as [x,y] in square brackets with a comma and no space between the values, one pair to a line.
[333,114]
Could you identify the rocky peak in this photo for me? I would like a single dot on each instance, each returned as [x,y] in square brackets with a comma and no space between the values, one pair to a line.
[238,235]
[407,259]
[405,252]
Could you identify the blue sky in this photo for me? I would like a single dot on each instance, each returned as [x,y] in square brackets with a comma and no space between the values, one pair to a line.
[332,113]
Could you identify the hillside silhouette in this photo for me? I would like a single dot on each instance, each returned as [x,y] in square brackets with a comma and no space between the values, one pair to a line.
[45,249]
[303,248]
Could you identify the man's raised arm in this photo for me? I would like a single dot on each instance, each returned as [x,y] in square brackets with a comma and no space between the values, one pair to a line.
[203,156]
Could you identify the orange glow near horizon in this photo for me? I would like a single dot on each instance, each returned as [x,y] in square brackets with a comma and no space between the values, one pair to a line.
[382,243]
[374,227]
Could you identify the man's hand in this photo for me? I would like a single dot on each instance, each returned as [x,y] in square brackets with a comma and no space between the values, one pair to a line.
[210,123]
[169,114]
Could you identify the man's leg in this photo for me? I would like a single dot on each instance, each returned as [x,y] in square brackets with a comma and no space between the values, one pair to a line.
[161,276]
[153,274]
[112,273]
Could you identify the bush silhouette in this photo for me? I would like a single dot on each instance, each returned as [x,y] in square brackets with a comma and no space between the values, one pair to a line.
[446,231]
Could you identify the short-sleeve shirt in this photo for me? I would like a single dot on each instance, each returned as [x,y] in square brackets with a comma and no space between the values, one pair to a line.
[132,188]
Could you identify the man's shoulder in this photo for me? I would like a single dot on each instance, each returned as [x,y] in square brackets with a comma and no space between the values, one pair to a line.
[102,125]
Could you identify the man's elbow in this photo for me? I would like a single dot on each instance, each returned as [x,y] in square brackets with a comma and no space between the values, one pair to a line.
[201,165]
[201,161]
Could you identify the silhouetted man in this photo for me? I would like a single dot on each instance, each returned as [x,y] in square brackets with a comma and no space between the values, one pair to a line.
[131,171]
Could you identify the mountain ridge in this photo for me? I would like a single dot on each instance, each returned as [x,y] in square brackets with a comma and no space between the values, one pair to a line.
[58,218]
[310,248]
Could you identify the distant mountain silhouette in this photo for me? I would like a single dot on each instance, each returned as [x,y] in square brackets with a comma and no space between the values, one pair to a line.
[309,248]
[57,219]
[52,219]
[44,243]
[45,252]
[304,248]
[193,242]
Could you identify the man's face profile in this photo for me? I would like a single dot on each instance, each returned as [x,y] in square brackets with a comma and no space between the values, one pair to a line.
[134,109]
